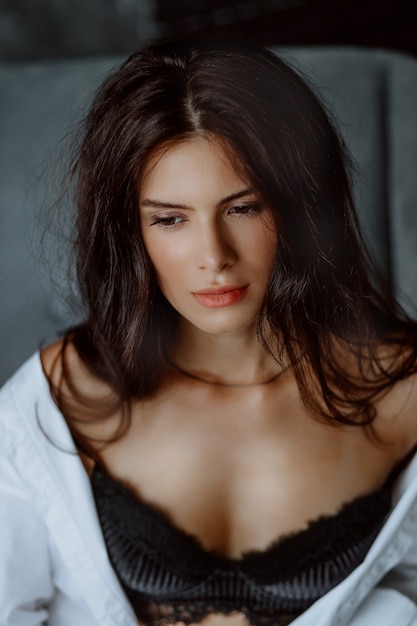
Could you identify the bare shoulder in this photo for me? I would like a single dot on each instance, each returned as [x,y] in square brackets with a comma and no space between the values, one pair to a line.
[86,400]
[65,369]
[51,357]
[397,414]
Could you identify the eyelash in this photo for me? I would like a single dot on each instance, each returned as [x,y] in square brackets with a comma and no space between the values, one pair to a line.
[163,222]
[248,209]
[242,210]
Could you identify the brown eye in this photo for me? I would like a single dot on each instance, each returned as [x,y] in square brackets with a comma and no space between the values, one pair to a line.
[168,221]
[246,209]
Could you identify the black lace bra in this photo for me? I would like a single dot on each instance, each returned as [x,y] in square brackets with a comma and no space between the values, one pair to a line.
[169,577]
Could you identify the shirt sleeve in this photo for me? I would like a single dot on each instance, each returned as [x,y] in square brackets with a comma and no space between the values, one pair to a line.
[403,578]
[385,607]
[394,600]
[26,586]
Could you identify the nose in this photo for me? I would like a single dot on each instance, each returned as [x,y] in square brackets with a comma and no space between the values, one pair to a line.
[215,248]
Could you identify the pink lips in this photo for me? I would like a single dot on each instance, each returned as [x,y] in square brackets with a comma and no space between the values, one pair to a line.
[216,297]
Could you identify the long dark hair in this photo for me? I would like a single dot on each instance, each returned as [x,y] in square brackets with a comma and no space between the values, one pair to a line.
[324,292]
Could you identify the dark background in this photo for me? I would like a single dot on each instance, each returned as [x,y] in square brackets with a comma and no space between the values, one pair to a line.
[31,29]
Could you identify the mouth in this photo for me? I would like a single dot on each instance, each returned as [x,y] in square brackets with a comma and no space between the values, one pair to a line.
[215,297]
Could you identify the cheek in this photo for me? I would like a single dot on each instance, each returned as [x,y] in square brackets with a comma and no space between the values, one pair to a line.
[262,249]
[167,259]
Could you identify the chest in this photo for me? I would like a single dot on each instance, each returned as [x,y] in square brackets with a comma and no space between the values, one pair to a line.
[237,478]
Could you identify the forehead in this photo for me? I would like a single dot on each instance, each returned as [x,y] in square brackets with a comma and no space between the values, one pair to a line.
[196,156]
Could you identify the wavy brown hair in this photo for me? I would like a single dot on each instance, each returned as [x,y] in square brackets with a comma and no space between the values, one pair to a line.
[324,296]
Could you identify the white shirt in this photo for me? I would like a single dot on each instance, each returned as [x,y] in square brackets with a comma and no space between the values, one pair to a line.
[54,567]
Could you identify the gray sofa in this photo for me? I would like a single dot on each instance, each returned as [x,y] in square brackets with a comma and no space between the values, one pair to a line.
[371,93]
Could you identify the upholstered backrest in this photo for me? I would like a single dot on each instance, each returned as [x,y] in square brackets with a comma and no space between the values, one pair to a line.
[372,94]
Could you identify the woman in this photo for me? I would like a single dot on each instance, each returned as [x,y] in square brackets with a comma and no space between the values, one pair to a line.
[240,399]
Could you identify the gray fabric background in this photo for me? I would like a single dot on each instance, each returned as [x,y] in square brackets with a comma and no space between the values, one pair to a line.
[66,28]
[373,95]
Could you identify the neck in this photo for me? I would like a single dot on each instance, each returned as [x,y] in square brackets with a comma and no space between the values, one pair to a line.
[230,360]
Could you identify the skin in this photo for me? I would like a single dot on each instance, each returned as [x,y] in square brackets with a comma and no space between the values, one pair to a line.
[210,456]
[221,237]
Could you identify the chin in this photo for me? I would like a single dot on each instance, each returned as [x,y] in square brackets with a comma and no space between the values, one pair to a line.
[224,326]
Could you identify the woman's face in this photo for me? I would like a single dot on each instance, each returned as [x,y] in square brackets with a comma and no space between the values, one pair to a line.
[210,238]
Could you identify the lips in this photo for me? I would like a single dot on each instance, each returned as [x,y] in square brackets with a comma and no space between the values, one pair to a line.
[215,297]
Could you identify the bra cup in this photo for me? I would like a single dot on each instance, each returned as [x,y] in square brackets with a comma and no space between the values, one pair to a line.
[170,577]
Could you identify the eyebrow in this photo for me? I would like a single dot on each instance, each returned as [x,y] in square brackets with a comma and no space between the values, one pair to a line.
[158,204]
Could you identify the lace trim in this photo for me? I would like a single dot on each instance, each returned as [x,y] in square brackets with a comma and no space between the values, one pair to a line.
[153,533]
[169,576]
[158,614]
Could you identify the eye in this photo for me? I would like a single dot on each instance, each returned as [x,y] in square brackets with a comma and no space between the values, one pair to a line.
[246,209]
[167,221]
